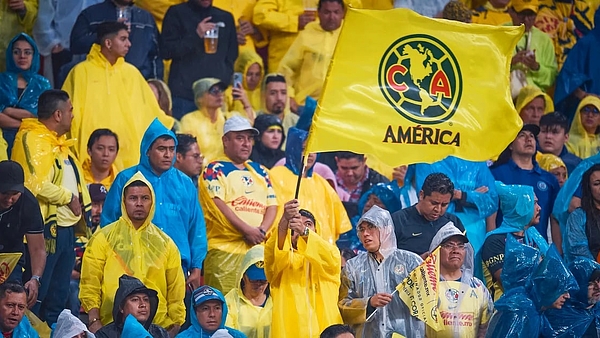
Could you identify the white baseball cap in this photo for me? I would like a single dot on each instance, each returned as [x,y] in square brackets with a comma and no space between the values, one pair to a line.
[238,123]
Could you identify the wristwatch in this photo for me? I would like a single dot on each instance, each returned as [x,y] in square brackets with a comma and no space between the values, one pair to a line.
[305,233]
[37,279]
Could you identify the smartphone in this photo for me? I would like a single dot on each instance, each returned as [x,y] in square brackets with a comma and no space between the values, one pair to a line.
[237,80]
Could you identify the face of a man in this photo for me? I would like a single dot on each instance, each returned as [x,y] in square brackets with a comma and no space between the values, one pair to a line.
[526,17]
[433,206]
[12,309]
[276,97]
[205,3]
[331,15]
[368,234]
[238,145]
[209,315]
[138,202]
[22,54]
[119,44]
[593,292]
[552,139]
[558,304]
[65,111]
[137,305]
[371,201]
[8,199]
[561,175]
[103,152]
[161,154]
[307,223]
[191,162]
[97,211]
[524,144]
[351,170]
[452,253]
[536,213]
[533,111]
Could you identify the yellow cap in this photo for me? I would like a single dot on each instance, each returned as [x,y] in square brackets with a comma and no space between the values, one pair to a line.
[521,5]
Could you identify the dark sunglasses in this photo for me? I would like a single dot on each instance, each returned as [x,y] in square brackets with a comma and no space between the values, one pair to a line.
[590,110]
[215,91]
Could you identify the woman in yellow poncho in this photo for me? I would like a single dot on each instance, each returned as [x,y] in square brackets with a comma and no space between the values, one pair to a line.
[584,140]
[251,66]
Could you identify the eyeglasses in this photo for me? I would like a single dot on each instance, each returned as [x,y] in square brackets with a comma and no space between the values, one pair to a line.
[590,110]
[451,247]
[215,91]
[26,52]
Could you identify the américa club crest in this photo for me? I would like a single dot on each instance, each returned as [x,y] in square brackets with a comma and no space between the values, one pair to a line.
[420,78]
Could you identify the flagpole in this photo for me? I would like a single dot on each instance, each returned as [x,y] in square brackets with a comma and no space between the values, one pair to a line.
[374,312]
[299,180]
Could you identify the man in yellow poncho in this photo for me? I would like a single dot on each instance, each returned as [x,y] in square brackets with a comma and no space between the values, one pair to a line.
[55,178]
[584,140]
[250,65]
[249,37]
[239,205]
[109,93]
[493,12]
[315,195]
[16,16]
[133,246]
[532,103]
[304,272]
[306,62]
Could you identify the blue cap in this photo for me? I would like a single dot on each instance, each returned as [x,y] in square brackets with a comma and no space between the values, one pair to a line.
[204,294]
[256,271]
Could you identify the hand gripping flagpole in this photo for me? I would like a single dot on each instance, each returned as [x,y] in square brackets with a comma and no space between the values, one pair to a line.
[374,312]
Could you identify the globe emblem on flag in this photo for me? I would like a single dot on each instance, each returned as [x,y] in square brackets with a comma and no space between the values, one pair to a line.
[420,77]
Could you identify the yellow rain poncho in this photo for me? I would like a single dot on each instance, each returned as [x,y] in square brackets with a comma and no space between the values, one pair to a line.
[304,283]
[246,59]
[146,253]
[208,134]
[158,8]
[3,147]
[242,9]
[582,143]
[254,321]
[116,97]
[377,4]
[89,177]
[549,161]
[41,153]
[528,94]
[489,15]
[306,62]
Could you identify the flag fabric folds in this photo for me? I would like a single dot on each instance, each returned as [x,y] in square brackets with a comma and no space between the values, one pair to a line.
[406,89]
[8,261]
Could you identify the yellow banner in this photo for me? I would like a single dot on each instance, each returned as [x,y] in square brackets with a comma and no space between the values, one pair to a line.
[408,89]
[419,291]
[8,261]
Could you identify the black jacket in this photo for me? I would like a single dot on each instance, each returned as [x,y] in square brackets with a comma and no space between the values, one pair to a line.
[180,43]
[373,179]
[128,286]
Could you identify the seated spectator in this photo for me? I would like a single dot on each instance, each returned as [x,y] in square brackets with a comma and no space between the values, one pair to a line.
[182,42]
[584,140]
[250,65]
[494,12]
[354,178]
[13,303]
[456,273]
[133,245]
[133,328]
[189,159]
[102,147]
[518,204]
[310,293]
[177,211]
[70,326]
[315,193]
[521,311]
[532,103]
[20,86]
[554,165]
[553,136]
[277,101]
[457,11]
[163,95]
[338,331]
[17,17]
[267,144]
[416,226]
[135,299]
[250,304]
[108,92]
[209,315]
[143,53]
[535,51]
[369,279]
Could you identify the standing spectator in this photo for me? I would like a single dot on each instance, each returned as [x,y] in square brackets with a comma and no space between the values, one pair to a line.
[110,93]
[369,279]
[143,34]
[267,144]
[494,12]
[20,216]
[132,245]
[13,303]
[17,16]
[239,202]
[55,178]
[20,86]
[189,158]
[584,138]
[248,36]
[250,65]
[182,41]
[102,147]
[163,95]
[535,51]
[178,212]
[52,31]
[554,134]
[277,101]
[532,103]
[158,8]
[304,272]
[306,66]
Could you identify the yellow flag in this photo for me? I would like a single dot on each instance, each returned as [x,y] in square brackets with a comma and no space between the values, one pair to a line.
[408,89]
[8,261]
[419,291]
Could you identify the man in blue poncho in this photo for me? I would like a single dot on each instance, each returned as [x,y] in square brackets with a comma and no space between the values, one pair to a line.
[178,211]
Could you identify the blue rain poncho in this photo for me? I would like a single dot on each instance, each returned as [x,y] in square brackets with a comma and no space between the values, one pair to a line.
[178,211]
[363,277]
[9,93]
[577,318]
[474,206]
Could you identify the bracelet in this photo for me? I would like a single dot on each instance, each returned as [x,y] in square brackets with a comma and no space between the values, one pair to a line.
[92,321]
[37,279]
[262,231]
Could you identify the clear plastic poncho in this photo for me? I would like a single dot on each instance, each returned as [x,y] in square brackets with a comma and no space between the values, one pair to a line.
[68,325]
[363,277]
